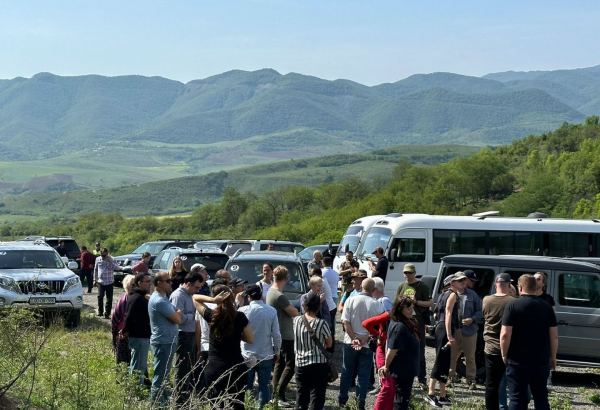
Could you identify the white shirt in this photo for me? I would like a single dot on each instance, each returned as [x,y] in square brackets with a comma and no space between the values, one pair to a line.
[328,297]
[332,278]
[205,329]
[357,309]
[265,288]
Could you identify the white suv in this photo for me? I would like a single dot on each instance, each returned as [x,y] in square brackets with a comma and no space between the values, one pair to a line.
[33,275]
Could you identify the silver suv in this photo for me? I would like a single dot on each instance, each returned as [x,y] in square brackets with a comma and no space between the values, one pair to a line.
[33,275]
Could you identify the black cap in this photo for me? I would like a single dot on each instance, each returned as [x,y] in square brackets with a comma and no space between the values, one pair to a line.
[504,277]
[471,275]
[237,282]
[253,291]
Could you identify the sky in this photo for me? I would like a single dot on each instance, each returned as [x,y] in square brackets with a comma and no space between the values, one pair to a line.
[370,42]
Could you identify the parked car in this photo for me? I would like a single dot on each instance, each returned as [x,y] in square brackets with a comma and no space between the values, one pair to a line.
[248,266]
[231,246]
[213,259]
[152,247]
[211,244]
[574,285]
[306,254]
[73,251]
[33,275]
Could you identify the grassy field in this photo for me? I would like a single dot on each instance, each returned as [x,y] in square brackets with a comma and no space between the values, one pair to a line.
[180,195]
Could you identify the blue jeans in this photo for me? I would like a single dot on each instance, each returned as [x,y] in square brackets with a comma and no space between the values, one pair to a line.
[502,394]
[263,369]
[163,356]
[357,362]
[520,378]
[139,356]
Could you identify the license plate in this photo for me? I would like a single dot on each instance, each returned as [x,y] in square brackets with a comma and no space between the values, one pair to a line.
[42,301]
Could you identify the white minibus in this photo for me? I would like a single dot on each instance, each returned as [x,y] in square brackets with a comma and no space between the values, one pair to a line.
[352,238]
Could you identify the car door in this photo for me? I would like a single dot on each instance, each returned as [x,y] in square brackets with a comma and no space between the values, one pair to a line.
[577,298]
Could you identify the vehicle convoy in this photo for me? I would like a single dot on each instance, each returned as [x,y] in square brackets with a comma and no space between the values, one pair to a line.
[574,285]
[248,266]
[33,275]
[153,248]
[424,240]
[352,238]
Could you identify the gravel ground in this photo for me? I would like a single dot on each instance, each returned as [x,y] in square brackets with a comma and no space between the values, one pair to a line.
[570,389]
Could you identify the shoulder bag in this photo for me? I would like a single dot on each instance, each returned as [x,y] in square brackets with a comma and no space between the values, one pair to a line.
[333,371]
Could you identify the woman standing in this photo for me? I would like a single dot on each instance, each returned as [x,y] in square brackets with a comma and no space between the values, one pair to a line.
[225,372]
[177,272]
[119,340]
[444,338]
[402,353]
[312,369]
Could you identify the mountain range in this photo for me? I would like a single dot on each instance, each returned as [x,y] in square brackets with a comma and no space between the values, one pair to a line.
[281,116]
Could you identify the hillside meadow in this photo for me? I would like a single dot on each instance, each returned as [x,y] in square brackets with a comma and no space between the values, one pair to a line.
[557,173]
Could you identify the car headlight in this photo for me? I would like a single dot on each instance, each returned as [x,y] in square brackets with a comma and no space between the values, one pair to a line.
[9,284]
[72,283]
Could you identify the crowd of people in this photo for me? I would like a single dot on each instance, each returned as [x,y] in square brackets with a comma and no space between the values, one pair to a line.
[222,340]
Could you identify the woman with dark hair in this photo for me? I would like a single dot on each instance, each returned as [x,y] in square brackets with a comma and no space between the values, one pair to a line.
[311,363]
[402,353]
[177,273]
[225,372]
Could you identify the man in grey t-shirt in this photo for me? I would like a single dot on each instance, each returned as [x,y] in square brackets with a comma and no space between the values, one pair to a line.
[284,367]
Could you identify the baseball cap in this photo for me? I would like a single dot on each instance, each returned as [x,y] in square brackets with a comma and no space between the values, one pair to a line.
[504,277]
[458,276]
[448,279]
[237,282]
[409,267]
[471,275]
[254,291]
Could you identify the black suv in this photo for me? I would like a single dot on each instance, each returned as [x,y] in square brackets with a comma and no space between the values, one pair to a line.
[212,259]
[153,248]
[248,266]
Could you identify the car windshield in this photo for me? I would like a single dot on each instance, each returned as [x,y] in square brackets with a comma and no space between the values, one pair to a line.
[375,237]
[307,253]
[26,259]
[251,271]
[212,262]
[151,247]
[351,238]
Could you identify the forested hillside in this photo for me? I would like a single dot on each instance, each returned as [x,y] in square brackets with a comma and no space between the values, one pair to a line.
[557,173]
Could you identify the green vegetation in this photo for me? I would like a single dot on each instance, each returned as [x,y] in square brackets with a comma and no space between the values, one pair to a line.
[557,173]
[69,114]
[185,194]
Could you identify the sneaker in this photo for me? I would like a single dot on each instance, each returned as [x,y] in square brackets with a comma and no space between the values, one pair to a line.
[99,314]
[445,401]
[375,390]
[282,403]
[432,400]
[472,386]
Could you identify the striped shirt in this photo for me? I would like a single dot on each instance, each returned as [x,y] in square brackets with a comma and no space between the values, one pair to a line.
[307,351]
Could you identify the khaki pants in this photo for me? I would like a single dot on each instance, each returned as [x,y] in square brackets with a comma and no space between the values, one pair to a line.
[466,345]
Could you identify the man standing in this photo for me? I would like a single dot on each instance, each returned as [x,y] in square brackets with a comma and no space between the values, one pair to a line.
[97,249]
[420,293]
[284,366]
[380,269]
[316,261]
[466,335]
[493,309]
[137,325]
[104,278]
[528,344]
[87,260]
[260,354]
[267,279]
[200,269]
[181,299]
[332,279]
[357,358]
[142,265]
[163,323]
[345,271]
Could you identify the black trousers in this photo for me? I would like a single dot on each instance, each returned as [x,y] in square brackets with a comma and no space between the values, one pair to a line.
[108,291]
[422,376]
[311,384]
[522,377]
[403,391]
[284,369]
[185,356]
[87,275]
[332,328]
[441,366]
[494,371]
